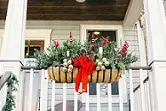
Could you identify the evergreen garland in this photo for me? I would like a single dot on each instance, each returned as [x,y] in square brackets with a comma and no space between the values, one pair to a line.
[11,85]
[112,57]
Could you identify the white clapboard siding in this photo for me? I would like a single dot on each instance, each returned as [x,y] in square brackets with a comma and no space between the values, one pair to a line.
[130,35]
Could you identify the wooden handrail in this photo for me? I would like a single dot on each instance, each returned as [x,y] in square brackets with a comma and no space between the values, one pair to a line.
[4,78]
[130,67]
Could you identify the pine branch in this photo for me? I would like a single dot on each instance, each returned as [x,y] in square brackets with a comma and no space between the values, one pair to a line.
[11,84]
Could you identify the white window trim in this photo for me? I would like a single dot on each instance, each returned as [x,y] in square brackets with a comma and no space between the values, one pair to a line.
[38,34]
[34,34]
[119,38]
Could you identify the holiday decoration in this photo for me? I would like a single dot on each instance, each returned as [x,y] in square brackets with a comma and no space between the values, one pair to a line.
[11,87]
[93,40]
[86,66]
[55,43]
[105,41]
[98,60]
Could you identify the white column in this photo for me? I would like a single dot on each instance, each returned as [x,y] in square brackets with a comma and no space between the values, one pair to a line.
[13,43]
[156,39]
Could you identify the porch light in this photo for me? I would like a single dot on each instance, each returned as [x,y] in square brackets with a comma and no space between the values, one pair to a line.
[80,1]
[96,33]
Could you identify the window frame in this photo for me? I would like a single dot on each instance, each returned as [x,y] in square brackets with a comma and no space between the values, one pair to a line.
[119,39]
[37,35]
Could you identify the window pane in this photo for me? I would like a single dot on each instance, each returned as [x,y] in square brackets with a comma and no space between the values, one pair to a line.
[115,88]
[31,51]
[92,89]
[30,45]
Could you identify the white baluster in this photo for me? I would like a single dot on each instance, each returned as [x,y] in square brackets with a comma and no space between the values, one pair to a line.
[138,100]
[64,96]
[109,97]
[146,96]
[136,105]
[121,94]
[87,98]
[53,96]
[44,90]
[142,91]
[30,93]
[132,105]
[98,97]
[75,101]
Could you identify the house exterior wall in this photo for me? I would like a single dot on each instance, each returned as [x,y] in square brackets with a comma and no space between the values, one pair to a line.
[60,32]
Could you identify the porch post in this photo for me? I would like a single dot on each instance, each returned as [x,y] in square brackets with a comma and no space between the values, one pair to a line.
[156,41]
[12,52]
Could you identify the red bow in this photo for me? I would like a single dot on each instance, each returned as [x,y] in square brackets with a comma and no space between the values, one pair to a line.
[86,66]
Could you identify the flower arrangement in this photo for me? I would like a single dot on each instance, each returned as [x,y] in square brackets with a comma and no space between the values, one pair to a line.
[106,54]
[74,62]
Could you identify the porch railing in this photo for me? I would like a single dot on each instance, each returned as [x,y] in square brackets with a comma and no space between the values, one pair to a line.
[142,96]
[139,97]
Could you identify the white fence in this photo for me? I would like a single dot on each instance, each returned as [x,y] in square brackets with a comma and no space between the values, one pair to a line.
[138,99]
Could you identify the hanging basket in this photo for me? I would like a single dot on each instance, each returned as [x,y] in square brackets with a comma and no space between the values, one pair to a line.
[106,76]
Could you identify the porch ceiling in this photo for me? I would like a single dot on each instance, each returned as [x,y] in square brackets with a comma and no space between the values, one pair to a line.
[72,10]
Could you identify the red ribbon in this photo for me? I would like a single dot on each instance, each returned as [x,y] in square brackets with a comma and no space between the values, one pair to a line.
[86,66]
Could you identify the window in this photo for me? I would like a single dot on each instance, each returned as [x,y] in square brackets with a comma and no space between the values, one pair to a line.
[30,45]
[115,34]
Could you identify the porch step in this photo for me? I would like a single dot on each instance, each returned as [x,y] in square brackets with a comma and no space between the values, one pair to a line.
[70,106]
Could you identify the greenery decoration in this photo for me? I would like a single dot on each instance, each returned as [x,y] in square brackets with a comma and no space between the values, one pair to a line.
[11,85]
[110,58]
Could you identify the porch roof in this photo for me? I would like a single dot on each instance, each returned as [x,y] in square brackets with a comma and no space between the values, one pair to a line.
[72,10]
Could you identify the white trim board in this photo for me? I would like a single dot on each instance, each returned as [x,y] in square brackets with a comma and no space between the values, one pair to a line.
[133,12]
[35,34]
[39,34]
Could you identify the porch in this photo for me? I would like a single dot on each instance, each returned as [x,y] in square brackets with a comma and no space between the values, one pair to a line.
[143,93]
